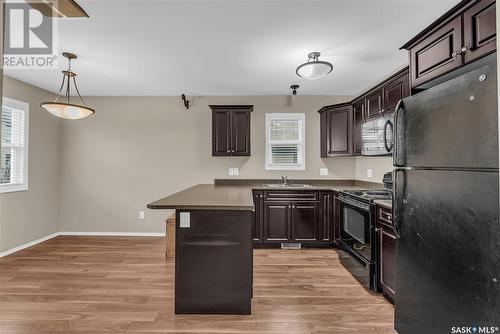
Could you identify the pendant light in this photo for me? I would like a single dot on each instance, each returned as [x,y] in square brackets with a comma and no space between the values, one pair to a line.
[67,109]
[314,68]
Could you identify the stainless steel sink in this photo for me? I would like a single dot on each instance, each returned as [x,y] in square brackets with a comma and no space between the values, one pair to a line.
[287,185]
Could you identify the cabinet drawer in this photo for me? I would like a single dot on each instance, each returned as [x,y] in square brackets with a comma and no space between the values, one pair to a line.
[291,195]
[384,215]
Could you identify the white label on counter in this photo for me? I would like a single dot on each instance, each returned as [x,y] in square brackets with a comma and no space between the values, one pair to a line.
[185,220]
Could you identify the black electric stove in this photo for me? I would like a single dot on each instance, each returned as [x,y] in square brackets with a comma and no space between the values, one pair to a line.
[358,237]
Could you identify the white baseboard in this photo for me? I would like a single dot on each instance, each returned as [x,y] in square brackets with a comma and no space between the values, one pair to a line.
[116,234]
[69,233]
[29,244]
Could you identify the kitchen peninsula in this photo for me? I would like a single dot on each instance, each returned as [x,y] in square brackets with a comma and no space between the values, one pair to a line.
[213,249]
[217,226]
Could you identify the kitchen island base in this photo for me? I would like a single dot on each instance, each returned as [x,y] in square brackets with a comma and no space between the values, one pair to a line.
[213,262]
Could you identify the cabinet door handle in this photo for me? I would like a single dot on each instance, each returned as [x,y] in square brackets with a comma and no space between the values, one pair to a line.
[377,229]
[454,54]
[464,49]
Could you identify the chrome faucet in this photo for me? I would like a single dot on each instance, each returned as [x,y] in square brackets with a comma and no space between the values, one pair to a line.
[285,179]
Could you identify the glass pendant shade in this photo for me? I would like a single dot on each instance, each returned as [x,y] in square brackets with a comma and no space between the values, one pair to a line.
[67,109]
[314,68]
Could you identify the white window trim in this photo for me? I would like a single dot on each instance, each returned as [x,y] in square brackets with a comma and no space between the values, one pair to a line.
[294,116]
[7,188]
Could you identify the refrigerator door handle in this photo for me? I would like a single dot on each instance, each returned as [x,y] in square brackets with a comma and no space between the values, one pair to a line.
[387,147]
[396,214]
[395,139]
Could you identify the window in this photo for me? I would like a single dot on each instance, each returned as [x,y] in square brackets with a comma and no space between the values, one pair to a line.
[14,146]
[285,141]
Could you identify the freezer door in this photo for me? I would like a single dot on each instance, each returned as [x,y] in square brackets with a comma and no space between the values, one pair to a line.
[448,250]
[452,125]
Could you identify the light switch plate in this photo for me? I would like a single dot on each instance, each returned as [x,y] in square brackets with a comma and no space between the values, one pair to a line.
[185,218]
[323,171]
[369,172]
[141,214]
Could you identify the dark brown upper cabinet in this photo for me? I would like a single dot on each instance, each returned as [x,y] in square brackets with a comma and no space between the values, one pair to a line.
[479,30]
[336,130]
[395,90]
[382,99]
[374,103]
[437,54]
[463,34]
[358,110]
[340,125]
[231,130]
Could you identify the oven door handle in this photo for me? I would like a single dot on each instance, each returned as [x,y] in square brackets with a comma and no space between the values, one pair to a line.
[364,207]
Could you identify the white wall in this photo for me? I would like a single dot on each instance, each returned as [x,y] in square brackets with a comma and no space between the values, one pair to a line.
[378,165]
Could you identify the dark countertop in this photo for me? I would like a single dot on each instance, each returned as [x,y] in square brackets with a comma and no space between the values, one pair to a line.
[384,203]
[208,197]
[322,184]
[236,194]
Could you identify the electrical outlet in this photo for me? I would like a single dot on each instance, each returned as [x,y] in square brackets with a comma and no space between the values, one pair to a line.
[141,214]
[323,172]
[234,171]
[185,220]
[369,172]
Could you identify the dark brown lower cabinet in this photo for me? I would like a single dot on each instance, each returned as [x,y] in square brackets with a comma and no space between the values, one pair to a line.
[336,219]
[387,252]
[293,216]
[305,221]
[326,216]
[276,221]
[258,217]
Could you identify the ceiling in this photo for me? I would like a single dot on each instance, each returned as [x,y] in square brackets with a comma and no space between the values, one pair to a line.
[154,47]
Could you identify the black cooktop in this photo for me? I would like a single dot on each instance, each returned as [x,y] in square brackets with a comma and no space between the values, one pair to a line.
[370,195]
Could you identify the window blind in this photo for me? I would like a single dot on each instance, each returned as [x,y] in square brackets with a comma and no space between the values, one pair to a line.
[285,154]
[12,153]
[284,144]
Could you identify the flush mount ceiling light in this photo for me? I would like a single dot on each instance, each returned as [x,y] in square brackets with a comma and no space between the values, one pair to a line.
[314,68]
[67,109]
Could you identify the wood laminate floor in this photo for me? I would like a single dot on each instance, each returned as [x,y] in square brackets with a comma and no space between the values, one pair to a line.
[125,285]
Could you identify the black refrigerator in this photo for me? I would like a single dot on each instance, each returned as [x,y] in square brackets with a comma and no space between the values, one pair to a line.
[446,207]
